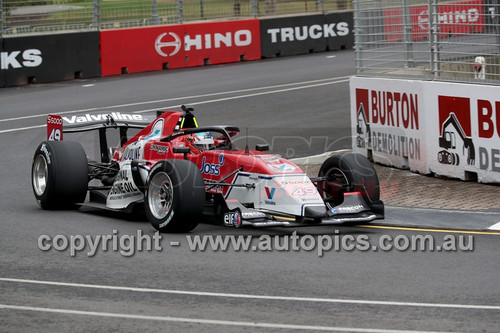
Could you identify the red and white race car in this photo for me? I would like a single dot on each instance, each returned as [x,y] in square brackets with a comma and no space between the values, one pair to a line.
[176,171]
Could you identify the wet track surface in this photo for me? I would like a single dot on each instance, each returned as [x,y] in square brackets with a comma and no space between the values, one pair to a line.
[300,105]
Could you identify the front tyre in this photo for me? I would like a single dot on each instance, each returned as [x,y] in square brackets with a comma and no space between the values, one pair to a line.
[175,196]
[59,174]
[350,172]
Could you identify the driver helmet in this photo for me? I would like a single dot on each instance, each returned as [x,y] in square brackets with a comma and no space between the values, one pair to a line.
[203,140]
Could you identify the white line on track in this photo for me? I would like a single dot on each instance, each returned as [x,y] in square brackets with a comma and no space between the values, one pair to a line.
[202,321]
[495,226]
[173,106]
[21,128]
[343,78]
[250,296]
[254,94]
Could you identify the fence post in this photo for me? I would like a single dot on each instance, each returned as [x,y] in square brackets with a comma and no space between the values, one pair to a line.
[202,10]
[434,38]
[155,19]
[320,5]
[255,7]
[180,14]
[1,19]
[358,49]
[407,34]
[96,14]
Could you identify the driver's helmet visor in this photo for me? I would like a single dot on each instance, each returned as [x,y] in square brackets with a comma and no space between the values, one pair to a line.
[203,140]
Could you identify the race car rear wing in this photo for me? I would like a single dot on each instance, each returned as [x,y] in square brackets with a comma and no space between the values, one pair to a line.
[90,122]
[57,125]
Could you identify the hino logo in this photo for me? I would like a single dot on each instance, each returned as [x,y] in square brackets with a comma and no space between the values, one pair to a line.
[16,59]
[199,42]
[175,44]
[451,17]
[316,31]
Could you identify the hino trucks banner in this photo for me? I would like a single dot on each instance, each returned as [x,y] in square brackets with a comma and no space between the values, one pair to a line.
[175,46]
[305,34]
[454,17]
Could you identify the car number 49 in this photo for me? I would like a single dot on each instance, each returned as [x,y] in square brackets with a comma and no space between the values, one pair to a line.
[55,135]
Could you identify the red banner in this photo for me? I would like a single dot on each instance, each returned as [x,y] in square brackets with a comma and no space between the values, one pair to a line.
[455,18]
[175,46]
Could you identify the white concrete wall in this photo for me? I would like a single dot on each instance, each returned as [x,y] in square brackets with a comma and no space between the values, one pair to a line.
[450,129]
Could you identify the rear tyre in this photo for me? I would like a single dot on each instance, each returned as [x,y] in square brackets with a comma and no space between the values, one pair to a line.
[351,172]
[59,174]
[175,196]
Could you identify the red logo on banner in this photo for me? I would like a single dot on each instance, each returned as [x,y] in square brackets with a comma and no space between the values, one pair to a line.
[460,107]
[455,131]
[362,102]
[363,139]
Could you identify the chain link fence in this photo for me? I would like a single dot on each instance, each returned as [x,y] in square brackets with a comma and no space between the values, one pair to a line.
[47,16]
[428,39]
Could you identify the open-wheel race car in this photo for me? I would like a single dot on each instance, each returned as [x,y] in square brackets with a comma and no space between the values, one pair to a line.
[177,171]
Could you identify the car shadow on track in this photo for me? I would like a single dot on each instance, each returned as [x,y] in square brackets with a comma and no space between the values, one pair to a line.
[209,226]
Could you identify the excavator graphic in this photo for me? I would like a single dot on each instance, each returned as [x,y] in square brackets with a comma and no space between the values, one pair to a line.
[451,130]
[363,140]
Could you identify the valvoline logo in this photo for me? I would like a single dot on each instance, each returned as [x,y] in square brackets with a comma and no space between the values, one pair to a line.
[212,168]
[270,192]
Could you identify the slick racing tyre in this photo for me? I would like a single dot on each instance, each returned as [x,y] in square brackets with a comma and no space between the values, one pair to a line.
[59,174]
[350,173]
[175,196]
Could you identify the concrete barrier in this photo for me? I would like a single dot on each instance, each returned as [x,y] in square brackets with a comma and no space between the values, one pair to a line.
[49,58]
[306,34]
[175,46]
[449,129]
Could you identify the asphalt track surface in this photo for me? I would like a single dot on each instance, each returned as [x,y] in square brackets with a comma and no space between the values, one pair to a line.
[298,104]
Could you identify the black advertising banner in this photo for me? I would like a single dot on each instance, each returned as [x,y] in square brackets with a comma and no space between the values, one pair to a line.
[306,34]
[343,24]
[292,35]
[49,58]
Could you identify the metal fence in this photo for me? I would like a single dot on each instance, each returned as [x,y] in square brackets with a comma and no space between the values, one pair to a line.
[40,16]
[428,39]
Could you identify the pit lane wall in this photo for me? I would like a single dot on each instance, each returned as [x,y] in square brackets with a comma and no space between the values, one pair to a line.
[58,57]
[448,129]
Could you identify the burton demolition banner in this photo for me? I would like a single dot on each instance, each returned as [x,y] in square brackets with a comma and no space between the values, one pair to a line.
[450,129]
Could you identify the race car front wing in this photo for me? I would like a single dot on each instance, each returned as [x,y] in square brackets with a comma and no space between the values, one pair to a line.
[353,210]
